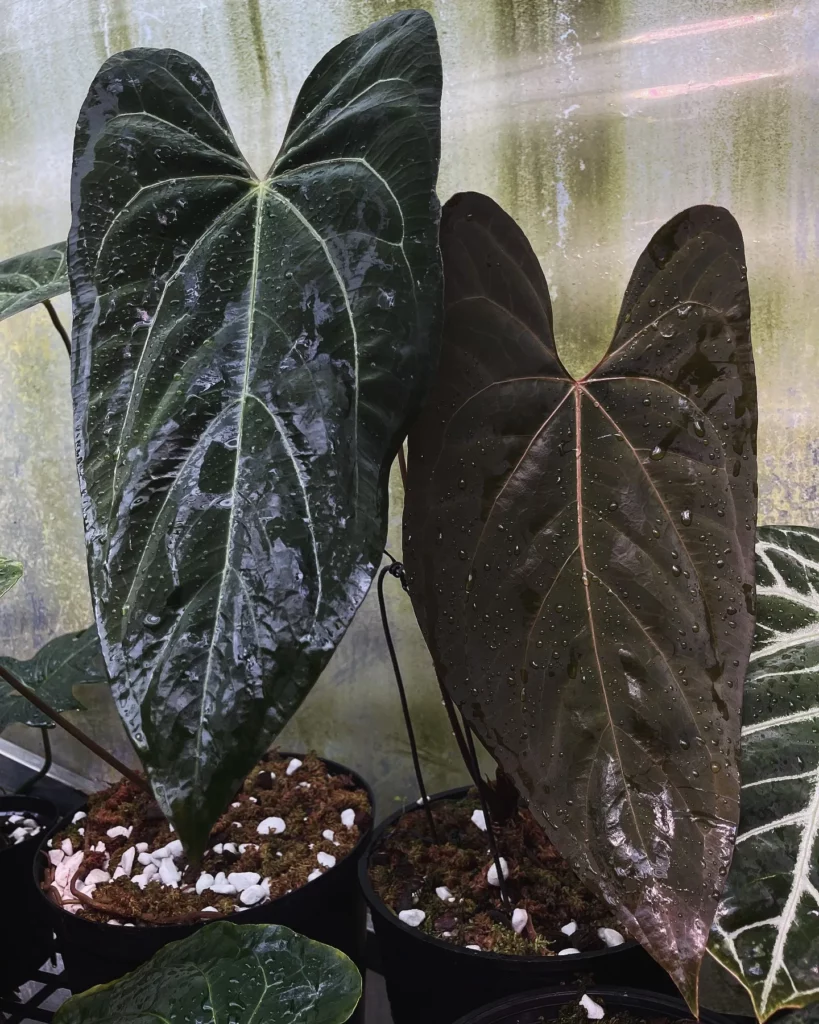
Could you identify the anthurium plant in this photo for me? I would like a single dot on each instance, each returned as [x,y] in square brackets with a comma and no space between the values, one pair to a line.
[248,351]
[241,973]
[581,557]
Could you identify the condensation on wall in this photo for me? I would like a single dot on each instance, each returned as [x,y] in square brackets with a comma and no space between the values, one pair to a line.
[591,121]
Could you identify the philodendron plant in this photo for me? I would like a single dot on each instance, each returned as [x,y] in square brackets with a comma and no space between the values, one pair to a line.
[248,352]
[581,557]
[241,973]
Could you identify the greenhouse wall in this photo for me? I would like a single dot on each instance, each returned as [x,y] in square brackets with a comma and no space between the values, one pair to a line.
[591,121]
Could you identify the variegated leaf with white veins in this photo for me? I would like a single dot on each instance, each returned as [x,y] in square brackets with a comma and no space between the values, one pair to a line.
[766,930]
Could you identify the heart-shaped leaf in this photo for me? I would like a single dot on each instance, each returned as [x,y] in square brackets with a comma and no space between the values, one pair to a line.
[10,573]
[248,355]
[31,278]
[766,931]
[581,557]
[245,974]
[53,672]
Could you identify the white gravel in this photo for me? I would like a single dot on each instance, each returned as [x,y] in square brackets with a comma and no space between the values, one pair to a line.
[294,765]
[492,872]
[594,1011]
[412,917]
[570,928]
[520,918]
[610,936]
[348,817]
[273,825]
[479,819]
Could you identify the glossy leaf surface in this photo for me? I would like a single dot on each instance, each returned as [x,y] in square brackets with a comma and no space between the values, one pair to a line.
[248,355]
[53,672]
[245,974]
[31,278]
[766,930]
[10,573]
[581,557]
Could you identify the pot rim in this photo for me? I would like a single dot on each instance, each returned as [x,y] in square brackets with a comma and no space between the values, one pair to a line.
[634,999]
[336,768]
[377,905]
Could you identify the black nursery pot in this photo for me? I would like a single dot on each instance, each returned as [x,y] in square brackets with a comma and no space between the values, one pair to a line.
[329,909]
[536,1007]
[435,982]
[26,928]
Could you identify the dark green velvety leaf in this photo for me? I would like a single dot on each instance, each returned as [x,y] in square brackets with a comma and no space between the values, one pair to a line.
[581,557]
[249,354]
[245,974]
[53,672]
[31,278]
[766,931]
[10,573]
[720,990]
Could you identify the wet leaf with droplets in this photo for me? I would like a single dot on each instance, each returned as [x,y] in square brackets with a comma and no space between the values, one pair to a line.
[241,387]
[32,277]
[766,930]
[613,524]
[52,673]
[244,974]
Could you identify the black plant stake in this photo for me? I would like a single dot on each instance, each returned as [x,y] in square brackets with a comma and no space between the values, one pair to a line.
[475,771]
[29,784]
[396,569]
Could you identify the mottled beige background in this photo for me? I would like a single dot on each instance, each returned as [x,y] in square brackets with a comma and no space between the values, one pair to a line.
[591,121]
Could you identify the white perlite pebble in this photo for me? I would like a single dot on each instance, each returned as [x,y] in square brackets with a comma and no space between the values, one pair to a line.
[316,873]
[126,861]
[329,834]
[570,928]
[253,799]
[204,881]
[274,825]
[145,858]
[151,871]
[610,936]
[444,894]
[141,847]
[327,860]
[230,848]
[217,848]
[78,817]
[14,818]
[236,805]
[294,765]
[55,856]
[248,846]
[594,1011]
[169,873]
[67,847]
[140,880]
[96,876]
[566,952]
[210,910]
[479,819]
[175,848]
[119,830]
[471,946]
[348,817]
[492,873]
[412,917]
[252,894]
[520,918]
[241,880]
[222,885]
[99,848]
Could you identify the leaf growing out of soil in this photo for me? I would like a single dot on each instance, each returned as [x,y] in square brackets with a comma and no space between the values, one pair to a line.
[766,931]
[53,672]
[580,555]
[248,355]
[11,572]
[241,973]
[31,278]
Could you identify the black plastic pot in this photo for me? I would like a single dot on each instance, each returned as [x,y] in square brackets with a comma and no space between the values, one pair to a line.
[433,981]
[329,909]
[536,1007]
[26,928]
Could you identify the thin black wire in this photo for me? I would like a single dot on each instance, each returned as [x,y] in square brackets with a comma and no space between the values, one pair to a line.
[29,784]
[396,569]
[490,830]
